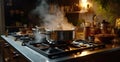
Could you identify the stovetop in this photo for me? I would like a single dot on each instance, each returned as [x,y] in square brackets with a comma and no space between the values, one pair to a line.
[59,50]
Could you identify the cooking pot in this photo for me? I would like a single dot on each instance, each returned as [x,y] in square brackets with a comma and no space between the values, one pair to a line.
[60,35]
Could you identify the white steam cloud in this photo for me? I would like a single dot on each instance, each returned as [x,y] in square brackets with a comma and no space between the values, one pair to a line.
[53,19]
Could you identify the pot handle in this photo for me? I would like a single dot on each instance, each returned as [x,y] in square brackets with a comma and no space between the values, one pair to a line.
[44,33]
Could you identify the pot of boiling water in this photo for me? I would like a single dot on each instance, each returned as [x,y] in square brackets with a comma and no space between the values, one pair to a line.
[60,35]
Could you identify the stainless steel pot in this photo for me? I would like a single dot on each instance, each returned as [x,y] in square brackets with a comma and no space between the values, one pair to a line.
[60,35]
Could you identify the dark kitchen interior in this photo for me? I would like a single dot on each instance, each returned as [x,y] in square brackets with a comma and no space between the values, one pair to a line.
[59,31]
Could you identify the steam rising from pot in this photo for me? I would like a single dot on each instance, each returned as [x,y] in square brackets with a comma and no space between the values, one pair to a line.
[52,19]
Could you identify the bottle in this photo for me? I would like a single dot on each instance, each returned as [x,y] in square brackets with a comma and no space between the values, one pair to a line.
[86,32]
[104,27]
[6,33]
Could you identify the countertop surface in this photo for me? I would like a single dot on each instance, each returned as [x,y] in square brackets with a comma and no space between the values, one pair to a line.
[34,56]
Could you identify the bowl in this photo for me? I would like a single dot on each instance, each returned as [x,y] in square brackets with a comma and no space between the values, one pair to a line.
[105,38]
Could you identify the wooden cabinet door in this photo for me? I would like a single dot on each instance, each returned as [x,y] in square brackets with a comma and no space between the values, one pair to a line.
[11,55]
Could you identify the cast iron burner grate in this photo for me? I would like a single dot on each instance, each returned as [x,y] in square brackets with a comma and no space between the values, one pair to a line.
[59,50]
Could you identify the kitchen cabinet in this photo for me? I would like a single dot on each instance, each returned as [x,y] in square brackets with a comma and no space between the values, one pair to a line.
[10,54]
[16,13]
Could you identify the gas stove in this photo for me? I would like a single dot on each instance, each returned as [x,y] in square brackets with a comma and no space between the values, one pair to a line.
[59,50]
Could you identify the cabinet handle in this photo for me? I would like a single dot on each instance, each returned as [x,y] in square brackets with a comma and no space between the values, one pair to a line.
[6,45]
[14,52]
[7,59]
[16,55]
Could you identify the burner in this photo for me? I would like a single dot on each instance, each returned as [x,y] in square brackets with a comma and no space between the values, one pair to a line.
[51,50]
[58,50]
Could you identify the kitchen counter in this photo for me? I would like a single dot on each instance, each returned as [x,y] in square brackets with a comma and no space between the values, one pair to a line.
[107,54]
